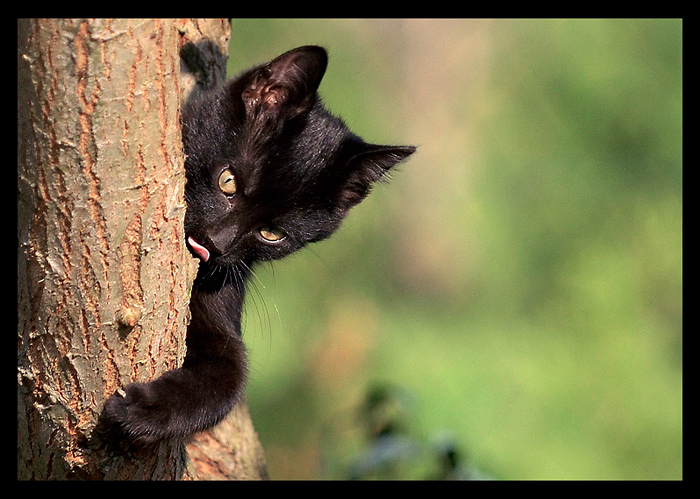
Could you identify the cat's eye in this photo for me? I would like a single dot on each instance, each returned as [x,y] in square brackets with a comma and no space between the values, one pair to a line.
[227,182]
[271,235]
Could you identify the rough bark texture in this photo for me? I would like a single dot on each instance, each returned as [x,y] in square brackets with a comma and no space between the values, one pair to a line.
[103,273]
[230,451]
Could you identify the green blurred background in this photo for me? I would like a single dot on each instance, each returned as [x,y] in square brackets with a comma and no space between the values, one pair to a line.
[516,290]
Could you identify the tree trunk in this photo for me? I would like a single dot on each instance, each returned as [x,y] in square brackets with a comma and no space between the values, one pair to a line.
[103,274]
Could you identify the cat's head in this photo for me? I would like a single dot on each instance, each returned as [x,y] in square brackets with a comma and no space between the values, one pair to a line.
[268,168]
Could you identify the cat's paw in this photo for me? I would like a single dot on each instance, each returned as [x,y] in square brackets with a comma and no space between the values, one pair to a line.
[134,414]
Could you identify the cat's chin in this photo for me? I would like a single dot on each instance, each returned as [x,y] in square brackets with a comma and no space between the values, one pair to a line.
[198,249]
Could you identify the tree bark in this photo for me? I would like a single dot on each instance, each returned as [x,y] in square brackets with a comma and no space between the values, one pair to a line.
[103,274]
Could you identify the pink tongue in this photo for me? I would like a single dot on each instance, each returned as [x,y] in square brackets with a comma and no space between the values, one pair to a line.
[199,250]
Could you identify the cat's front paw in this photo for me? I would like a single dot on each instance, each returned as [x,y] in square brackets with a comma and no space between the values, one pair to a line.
[133,414]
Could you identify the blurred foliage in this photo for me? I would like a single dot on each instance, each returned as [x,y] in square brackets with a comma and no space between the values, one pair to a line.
[375,442]
[520,277]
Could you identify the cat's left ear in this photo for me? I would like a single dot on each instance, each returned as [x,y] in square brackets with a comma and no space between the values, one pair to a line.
[287,83]
[368,167]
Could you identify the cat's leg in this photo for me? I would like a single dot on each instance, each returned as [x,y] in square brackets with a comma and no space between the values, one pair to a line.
[199,394]
[176,405]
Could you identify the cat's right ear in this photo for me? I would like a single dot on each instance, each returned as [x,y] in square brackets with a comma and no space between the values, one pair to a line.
[371,165]
[286,85]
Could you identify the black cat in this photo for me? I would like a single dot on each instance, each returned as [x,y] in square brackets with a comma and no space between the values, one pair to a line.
[268,171]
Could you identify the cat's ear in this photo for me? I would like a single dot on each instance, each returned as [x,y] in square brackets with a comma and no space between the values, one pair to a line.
[366,168]
[286,84]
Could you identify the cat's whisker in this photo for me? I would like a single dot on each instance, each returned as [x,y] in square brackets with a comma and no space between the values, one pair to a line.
[258,282]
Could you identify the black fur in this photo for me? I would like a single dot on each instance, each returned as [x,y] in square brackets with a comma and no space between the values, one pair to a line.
[298,170]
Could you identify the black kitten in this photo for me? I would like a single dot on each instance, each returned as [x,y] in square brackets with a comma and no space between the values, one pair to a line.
[268,171]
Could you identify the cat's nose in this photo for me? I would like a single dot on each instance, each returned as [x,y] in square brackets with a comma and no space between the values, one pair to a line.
[221,238]
[215,248]
[218,243]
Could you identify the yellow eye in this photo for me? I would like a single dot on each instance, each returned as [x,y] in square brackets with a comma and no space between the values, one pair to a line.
[271,235]
[227,182]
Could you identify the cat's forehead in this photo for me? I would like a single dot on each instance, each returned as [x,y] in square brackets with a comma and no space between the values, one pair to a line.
[299,166]
[283,181]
